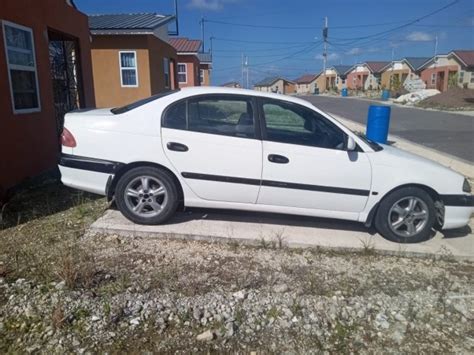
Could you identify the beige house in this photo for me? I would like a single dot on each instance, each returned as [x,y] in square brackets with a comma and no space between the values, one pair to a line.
[333,78]
[276,85]
[465,59]
[306,84]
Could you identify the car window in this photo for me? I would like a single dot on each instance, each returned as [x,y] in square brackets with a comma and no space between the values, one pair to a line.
[136,104]
[175,116]
[295,124]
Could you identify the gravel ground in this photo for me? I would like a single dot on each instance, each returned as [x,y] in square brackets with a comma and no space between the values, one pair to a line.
[63,292]
[170,296]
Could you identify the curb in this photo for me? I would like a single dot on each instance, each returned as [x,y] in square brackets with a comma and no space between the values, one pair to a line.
[366,246]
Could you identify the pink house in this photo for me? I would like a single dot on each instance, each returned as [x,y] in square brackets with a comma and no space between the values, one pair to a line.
[365,76]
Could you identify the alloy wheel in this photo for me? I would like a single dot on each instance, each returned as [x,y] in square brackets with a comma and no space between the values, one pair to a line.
[408,216]
[146,196]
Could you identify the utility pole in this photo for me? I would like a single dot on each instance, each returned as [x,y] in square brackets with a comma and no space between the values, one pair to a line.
[435,62]
[247,69]
[210,41]
[202,32]
[242,69]
[325,54]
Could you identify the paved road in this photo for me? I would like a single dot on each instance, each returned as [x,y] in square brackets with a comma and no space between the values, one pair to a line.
[446,132]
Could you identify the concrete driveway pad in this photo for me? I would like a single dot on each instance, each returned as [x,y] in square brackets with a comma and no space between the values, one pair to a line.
[282,230]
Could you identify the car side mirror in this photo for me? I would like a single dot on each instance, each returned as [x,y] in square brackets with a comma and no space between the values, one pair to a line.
[350,143]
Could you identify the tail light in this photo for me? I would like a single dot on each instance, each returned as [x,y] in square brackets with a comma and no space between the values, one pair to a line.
[67,139]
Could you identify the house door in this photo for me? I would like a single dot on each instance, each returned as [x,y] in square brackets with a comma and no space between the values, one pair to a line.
[440,81]
[66,75]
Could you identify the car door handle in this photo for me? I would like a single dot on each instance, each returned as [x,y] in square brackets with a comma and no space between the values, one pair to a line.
[177,147]
[278,159]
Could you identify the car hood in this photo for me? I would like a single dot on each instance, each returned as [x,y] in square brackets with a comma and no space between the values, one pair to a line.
[412,167]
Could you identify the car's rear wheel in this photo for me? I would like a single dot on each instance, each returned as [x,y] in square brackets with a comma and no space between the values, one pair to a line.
[147,195]
[406,215]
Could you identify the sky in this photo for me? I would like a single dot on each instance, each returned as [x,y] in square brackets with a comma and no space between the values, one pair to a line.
[284,38]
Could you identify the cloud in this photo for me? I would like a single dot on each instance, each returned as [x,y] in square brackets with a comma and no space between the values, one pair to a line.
[355,51]
[331,56]
[210,5]
[419,36]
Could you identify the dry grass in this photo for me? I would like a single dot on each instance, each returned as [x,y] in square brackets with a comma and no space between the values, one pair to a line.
[41,231]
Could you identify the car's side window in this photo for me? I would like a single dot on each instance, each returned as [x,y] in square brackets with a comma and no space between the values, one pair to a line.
[221,115]
[286,122]
[175,116]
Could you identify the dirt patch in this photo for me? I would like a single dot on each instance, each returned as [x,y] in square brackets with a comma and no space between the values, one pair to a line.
[455,99]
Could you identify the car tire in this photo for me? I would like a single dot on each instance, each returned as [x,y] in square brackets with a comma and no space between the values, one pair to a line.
[406,215]
[147,195]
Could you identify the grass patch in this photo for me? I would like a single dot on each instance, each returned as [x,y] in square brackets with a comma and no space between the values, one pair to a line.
[41,230]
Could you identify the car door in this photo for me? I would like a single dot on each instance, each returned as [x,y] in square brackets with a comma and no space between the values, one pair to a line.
[214,143]
[305,163]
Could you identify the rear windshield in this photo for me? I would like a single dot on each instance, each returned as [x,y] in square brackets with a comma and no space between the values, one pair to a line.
[134,105]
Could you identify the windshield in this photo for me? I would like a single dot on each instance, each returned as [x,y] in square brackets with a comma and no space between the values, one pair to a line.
[374,145]
[134,105]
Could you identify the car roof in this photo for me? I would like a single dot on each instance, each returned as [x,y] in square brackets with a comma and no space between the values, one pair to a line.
[203,90]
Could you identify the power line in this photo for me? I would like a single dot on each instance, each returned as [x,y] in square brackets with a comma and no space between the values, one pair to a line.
[259,42]
[355,39]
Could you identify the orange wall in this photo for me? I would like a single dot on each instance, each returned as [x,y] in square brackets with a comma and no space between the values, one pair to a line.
[192,69]
[106,69]
[29,142]
[158,51]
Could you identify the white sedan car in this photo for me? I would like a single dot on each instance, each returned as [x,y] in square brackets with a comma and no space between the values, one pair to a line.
[248,150]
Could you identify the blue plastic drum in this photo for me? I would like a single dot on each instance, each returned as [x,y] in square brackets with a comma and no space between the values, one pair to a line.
[385,95]
[344,92]
[378,122]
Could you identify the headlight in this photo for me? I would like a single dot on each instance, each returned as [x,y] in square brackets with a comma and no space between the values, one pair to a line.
[466,187]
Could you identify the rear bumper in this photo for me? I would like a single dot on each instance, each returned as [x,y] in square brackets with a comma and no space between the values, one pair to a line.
[87,174]
[458,210]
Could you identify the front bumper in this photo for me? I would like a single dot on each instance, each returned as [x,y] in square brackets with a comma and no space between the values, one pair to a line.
[458,210]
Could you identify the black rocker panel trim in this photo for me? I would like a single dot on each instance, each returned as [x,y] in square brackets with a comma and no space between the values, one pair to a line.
[91,164]
[271,183]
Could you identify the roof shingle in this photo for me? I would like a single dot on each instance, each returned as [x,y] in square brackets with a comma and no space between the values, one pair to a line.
[185,45]
[416,63]
[466,56]
[306,78]
[376,67]
[118,22]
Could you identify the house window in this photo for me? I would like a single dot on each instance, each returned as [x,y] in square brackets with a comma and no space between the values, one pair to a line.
[433,78]
[182,75]
[472,78]
[166,71]
[461,77]
[20,52]
[201,76]
[128,69]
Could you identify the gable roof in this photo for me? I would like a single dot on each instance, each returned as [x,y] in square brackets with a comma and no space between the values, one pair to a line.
[306,78]
[231,84]
[185,45]
[466,57]
[376,67]
[342,69]
[205,58]
[432,60]
[144,23]
[416,63]
[271,80]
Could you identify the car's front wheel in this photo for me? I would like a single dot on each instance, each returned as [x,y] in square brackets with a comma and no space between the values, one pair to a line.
[146,195]
[406,215]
